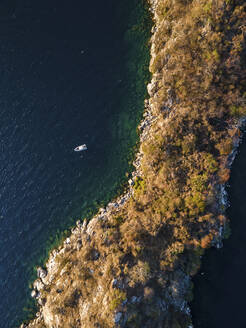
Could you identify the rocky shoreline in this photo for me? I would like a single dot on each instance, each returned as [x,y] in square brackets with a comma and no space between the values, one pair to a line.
[84,230]
[122,309]
[222,188]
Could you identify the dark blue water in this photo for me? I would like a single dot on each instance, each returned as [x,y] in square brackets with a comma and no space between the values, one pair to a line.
[219,293]
[70,73]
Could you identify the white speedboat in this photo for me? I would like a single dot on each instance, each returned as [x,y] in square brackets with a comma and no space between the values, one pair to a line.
[80,148]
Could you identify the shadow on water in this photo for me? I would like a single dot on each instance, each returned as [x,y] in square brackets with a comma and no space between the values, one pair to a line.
[70,74]
[219,293]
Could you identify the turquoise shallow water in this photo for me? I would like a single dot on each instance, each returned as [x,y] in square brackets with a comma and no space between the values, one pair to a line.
[68,75]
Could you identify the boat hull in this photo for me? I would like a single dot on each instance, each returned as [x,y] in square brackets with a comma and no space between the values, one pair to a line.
[81,148]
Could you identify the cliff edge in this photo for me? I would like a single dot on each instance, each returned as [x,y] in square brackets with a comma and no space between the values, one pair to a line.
[131,265]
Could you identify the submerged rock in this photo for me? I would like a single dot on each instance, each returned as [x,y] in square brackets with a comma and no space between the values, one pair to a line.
[34,293]
[117,317]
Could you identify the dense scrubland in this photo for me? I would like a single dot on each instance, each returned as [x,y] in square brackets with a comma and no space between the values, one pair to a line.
[133,267]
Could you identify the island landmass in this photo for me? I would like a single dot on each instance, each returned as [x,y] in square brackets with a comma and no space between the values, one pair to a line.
[131,265]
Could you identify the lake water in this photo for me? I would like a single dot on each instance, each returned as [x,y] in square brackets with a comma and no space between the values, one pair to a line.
[219,293]
[70,73]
